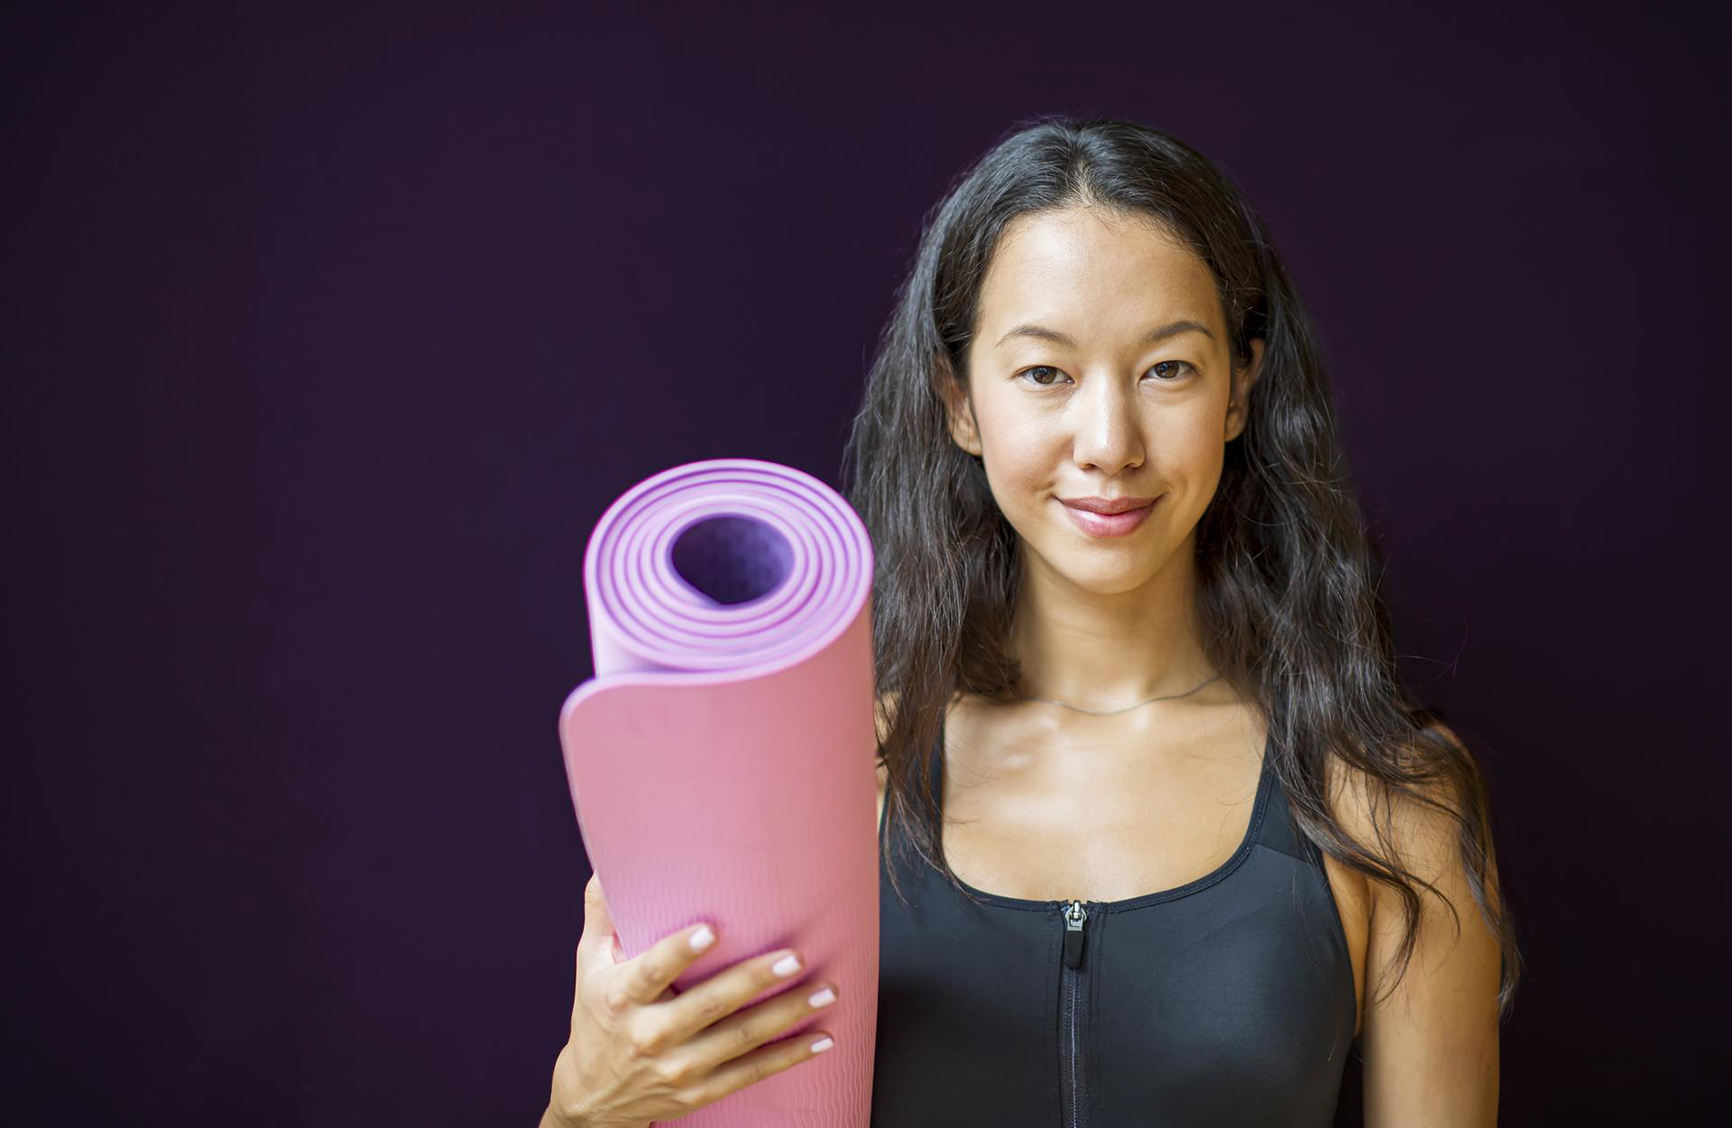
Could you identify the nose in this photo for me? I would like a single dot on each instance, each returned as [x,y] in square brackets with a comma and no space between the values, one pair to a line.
[1108,433]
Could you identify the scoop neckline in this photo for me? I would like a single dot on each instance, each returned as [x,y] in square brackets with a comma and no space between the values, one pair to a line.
[1259,807]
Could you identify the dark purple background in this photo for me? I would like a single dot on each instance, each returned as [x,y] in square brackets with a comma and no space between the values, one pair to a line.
[331,331]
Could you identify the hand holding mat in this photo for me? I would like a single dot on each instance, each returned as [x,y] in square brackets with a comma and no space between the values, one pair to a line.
[721,760]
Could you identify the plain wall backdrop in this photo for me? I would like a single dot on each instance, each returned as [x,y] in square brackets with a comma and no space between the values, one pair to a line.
[330,330]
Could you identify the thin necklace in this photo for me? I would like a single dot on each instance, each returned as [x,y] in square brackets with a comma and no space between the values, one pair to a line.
[1127,708]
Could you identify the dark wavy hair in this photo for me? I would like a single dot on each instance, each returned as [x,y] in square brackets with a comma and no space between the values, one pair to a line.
[1288,579]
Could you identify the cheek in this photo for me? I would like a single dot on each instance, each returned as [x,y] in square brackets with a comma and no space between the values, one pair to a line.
[1027,461]
[1193,449]
[1020,459]
[1182,448]
[1021,467]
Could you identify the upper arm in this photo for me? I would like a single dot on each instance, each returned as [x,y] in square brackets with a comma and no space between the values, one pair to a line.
[1430,1043]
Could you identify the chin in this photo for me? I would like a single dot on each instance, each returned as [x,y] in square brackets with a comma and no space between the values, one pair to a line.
[1117,583]
[1099,577]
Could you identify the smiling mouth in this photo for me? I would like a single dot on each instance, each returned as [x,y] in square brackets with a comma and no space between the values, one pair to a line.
[1108,524]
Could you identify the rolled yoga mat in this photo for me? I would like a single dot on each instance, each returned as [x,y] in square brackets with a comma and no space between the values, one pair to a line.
[721,760]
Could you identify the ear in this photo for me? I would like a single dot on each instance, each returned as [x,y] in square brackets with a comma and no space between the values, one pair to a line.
[959,408]
[1243,378]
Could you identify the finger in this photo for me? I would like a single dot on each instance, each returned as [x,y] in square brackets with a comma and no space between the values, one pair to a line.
[646,976]
[577,987]
[745,1029]
[707,1003]
[597,920]
[765,1061]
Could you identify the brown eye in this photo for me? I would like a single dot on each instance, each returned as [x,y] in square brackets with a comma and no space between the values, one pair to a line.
[1040,368]
[1185,368]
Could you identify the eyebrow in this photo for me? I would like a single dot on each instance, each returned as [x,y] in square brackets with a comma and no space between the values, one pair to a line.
[1160,333]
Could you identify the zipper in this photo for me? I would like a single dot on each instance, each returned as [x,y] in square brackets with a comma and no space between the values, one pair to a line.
[1070,1007]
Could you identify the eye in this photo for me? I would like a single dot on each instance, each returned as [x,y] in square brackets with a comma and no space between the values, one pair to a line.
[1186,365]
[1179,369]
[1040,368]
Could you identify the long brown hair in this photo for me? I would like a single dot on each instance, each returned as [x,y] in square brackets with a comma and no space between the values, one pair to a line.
[1288,579]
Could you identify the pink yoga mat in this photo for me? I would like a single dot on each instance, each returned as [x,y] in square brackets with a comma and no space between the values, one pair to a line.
[721,760]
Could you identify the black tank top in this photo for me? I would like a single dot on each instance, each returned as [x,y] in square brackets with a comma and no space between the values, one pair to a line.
[1225,1001]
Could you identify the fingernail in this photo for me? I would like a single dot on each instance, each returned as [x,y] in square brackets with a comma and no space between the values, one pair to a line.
[787,965]
[703,938]
[822,1044]
[822,998]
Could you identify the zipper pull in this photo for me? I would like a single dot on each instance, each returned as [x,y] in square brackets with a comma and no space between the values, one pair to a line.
[1075,916]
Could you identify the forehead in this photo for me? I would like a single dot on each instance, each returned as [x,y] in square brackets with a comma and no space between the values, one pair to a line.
[1094,268]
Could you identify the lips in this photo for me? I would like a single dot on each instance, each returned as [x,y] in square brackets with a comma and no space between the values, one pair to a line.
[1122,515]
[1106,505]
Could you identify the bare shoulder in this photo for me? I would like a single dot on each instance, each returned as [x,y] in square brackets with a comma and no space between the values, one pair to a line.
[1420,831]
[1376,819]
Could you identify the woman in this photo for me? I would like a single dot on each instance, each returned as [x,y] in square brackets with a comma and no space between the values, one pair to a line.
[1165,838]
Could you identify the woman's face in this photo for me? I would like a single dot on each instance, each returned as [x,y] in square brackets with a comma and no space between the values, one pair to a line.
[1138,402]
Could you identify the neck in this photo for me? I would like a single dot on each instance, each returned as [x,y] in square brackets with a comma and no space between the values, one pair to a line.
[1103,651]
